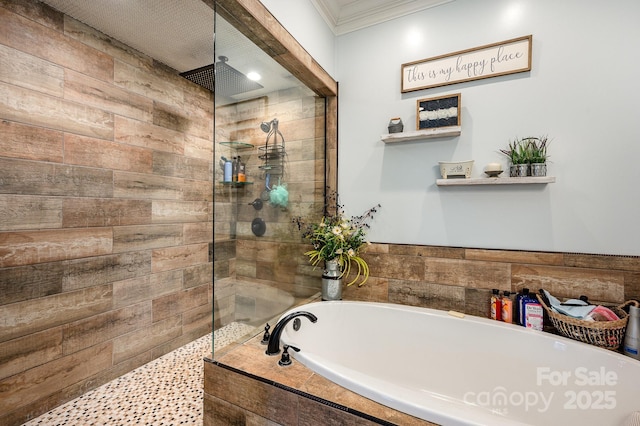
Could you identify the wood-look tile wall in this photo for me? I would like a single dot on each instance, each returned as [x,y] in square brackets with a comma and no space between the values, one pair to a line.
[461,279]
[450,278]
[106,209]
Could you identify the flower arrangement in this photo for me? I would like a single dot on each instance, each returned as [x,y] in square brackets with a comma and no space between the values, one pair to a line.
[337,237]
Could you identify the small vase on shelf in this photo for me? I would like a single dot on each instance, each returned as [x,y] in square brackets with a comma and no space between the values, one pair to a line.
[519,170]
[538,169]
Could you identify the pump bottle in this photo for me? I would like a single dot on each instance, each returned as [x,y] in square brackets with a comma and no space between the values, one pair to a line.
[632,336]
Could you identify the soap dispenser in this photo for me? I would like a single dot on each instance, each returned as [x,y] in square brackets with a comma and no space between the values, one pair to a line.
[632,336]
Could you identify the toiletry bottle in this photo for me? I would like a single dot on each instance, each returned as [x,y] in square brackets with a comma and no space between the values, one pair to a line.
[519,303]
[242,177]
[507,307]
[234,173]
[533,313]
[516,307]
[228,169]
[496,307]
[631,345]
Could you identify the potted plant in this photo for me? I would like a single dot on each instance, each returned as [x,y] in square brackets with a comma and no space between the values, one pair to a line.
[338,241]
[538,156]
[528,156]
[518,155]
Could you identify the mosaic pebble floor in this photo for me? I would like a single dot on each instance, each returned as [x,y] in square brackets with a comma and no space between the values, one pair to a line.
[164,392]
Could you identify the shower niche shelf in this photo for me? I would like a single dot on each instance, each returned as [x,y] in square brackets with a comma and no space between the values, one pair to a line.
[441,132]
[236,184]
[238,146]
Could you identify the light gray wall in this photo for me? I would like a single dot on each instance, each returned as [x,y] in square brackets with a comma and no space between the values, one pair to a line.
[582,91]
[304,22]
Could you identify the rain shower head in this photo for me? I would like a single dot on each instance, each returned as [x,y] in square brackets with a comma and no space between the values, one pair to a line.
[230,80]
[203,76]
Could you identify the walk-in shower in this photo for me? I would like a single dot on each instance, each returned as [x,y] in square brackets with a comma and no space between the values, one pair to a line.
[259,267]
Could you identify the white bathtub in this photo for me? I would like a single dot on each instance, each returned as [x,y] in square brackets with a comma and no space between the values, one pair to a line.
[464,371]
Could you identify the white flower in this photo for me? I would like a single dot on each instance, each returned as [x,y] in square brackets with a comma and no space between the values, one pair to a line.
[351,253]
[336,230]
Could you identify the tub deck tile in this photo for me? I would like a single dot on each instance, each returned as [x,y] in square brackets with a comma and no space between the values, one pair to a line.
[250,357]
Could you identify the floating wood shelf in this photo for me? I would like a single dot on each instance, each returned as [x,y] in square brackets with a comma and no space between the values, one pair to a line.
[422,134]
[496,181]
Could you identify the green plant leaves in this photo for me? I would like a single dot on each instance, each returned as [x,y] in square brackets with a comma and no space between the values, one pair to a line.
[528,150]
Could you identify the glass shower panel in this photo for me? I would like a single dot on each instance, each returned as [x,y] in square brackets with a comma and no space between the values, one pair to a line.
[274,127]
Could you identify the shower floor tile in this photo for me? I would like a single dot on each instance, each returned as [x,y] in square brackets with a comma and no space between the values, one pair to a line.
[166,391]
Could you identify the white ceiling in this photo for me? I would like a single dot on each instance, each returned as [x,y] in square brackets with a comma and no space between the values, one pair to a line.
[344,16]
[177,33]
[180,33]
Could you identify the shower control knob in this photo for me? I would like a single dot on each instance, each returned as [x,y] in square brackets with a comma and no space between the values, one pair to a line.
[257,203]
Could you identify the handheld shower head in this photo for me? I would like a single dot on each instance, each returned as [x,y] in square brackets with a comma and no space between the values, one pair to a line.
[269,126]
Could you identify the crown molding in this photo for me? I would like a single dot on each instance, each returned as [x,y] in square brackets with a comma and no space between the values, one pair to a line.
[344,16]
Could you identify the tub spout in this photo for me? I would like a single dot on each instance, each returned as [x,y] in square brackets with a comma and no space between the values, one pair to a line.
[273,348]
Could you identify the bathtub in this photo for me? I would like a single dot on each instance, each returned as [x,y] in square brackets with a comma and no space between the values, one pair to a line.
[464,371]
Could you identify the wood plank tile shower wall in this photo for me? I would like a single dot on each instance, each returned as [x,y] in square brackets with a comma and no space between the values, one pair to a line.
[105,209]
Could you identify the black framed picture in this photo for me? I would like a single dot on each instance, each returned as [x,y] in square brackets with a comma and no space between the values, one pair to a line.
[443,111]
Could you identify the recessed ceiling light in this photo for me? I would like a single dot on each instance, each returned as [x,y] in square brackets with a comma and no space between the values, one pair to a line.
[254,76]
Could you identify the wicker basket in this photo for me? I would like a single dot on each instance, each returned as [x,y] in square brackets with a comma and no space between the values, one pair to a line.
[605,334]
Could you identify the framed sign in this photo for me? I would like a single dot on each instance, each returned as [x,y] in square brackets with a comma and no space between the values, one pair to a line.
[492,60]
[443,111]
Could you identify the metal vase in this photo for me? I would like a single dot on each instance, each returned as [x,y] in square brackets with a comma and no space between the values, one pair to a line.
[518,170]
[538,169]
[331,281]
